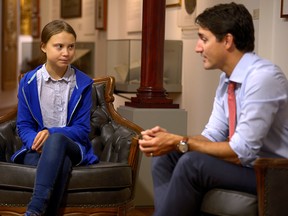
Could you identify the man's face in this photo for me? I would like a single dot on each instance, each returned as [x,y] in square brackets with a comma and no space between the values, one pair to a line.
[212,51]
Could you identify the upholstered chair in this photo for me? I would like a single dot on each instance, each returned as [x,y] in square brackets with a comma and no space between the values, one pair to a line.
[272,191]
[106,188]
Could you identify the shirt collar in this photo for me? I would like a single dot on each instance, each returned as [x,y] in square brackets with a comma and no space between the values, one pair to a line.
[67,76]
[240,71]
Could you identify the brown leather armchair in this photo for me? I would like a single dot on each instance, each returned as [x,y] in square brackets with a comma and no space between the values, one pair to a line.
[272,177]
[106,188]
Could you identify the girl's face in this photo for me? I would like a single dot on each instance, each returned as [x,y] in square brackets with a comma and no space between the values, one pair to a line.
[60,51]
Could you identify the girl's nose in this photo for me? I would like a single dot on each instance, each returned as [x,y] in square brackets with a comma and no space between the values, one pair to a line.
[65,51]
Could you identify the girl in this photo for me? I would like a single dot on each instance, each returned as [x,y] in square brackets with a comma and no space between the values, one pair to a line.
[53,121]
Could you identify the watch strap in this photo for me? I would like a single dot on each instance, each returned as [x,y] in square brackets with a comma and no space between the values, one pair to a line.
[185,139]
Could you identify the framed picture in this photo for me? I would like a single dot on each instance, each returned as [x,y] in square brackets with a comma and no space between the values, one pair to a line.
[173,3]
[71,8]
[101,14]
[284,9]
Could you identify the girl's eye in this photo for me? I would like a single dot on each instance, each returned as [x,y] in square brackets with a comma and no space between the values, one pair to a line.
[72,46]
[59,46]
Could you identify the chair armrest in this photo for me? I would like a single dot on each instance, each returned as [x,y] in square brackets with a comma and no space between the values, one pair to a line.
[272,187]
[9,116]
[109,98]
[9,140]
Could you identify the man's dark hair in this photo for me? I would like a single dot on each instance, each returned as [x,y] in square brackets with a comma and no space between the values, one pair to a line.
[229,18]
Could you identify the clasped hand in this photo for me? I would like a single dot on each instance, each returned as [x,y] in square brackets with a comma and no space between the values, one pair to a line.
[157,141]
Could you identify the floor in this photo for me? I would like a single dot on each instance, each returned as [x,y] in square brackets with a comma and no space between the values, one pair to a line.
[141,211]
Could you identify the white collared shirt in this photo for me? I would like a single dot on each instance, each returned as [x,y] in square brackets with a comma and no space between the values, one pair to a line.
[54,96]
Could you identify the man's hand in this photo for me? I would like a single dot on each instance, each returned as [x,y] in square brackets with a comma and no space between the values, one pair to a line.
[157,141]
[39,140]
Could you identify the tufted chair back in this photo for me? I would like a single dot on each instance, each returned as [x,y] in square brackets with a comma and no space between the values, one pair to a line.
[110,140]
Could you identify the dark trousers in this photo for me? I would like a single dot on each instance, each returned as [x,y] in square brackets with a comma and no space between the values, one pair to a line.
[54,165]
[181,181]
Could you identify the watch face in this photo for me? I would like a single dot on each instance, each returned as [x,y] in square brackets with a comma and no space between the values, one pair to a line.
[183,147]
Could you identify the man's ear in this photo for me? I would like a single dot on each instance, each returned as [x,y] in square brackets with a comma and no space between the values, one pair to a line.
[228,40]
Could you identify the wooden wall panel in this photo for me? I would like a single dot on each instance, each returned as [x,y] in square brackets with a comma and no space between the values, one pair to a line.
[9,45]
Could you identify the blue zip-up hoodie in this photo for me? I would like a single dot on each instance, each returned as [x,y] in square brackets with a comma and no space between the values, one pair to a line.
[30,122]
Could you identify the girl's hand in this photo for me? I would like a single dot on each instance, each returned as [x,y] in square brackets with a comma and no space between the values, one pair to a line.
[39,140]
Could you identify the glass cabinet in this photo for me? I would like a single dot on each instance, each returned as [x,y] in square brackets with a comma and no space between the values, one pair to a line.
[124,63]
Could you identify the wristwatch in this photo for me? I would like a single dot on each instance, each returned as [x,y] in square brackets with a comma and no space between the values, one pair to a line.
[183,145]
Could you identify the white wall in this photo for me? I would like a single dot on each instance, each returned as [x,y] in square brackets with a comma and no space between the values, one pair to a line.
[273,34]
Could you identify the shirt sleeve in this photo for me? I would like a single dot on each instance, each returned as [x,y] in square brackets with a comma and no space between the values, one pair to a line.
[27,125]
[216,129]
[261,97]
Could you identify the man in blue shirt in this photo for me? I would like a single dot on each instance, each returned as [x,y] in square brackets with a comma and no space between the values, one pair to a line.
[185,168]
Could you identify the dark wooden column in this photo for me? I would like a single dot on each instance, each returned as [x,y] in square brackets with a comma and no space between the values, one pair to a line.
[151,93]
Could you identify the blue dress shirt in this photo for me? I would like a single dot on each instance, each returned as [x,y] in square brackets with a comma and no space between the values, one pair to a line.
[262,110]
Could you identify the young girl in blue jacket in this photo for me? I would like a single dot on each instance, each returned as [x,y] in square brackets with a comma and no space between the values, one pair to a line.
[53,121]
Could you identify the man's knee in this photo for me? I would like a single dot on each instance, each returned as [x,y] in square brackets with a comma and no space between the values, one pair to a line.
[194,162]
[192,157]
[165,162]
[156,163]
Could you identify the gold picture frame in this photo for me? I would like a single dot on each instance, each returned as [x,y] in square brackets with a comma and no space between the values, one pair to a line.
[173,3]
